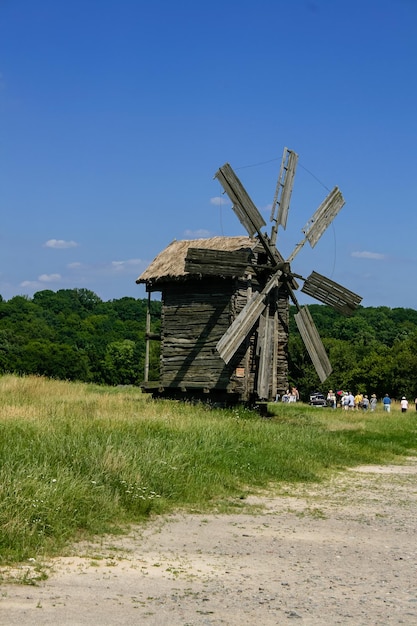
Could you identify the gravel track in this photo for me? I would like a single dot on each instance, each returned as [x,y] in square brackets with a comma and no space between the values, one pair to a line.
[341,552]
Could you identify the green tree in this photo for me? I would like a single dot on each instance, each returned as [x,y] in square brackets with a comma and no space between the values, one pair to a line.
[404,367]
[120,364]
[54,360]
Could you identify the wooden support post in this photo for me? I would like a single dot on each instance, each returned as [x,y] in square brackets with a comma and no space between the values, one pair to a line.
[148,330]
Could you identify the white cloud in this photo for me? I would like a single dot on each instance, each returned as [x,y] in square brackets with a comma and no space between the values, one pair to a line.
[32,284]
[60,244]
[120,266]
[49,278]
[111,276]
[219,201]
[40,283]
[197,234]
[128,266]
[369,255]
[86,274]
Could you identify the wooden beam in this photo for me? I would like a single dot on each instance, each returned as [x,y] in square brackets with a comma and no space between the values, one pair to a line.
[217,262]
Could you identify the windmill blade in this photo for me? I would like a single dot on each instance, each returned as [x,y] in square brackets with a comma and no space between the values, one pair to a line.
[264,350]
[240,327]
[313,343]
[243,206]
[321,219]
[246,211]
[327,291]
[267,350]
[324,216]
[283,191]
[244,322]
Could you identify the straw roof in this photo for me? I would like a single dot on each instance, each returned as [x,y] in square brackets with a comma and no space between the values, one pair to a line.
[170,263]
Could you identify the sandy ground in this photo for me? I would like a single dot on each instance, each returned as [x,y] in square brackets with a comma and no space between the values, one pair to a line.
[343,552]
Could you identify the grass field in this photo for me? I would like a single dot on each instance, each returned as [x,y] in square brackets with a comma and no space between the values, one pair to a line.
[79,459]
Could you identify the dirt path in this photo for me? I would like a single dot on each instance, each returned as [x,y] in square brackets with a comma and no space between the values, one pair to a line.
[340,553]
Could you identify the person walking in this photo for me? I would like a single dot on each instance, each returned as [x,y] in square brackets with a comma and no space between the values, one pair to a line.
[415,401]
[331,399]
[387,403]
[374,402]
[404,404]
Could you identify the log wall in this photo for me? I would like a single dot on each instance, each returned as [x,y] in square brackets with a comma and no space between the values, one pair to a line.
[195,315]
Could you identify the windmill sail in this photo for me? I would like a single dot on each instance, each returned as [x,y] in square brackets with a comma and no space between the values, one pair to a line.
[327,291]
[264,350]
[324,215]
[244,322]
[321,219]
[283,191]
[243,206]
[313,343]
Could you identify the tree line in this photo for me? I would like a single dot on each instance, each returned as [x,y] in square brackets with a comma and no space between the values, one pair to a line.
[72,334]
[374,351]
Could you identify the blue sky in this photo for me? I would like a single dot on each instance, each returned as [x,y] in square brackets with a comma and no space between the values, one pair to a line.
[115,115]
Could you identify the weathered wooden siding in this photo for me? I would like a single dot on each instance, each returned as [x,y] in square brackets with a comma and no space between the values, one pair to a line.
[194,316]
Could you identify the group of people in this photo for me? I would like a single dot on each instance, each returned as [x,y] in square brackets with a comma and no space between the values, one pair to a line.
[358,402]
[350,402]
[361,401]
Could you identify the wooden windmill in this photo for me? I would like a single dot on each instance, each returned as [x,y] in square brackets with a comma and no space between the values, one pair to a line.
[225,300]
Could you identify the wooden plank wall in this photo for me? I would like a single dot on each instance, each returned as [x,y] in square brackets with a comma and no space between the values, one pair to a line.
[195,314]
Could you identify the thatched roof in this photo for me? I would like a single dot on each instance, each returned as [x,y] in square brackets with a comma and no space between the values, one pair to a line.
[170,263]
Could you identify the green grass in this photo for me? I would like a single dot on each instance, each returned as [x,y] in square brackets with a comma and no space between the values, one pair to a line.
[78,459]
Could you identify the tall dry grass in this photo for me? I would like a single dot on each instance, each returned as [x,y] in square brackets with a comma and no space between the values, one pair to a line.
[84,459]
